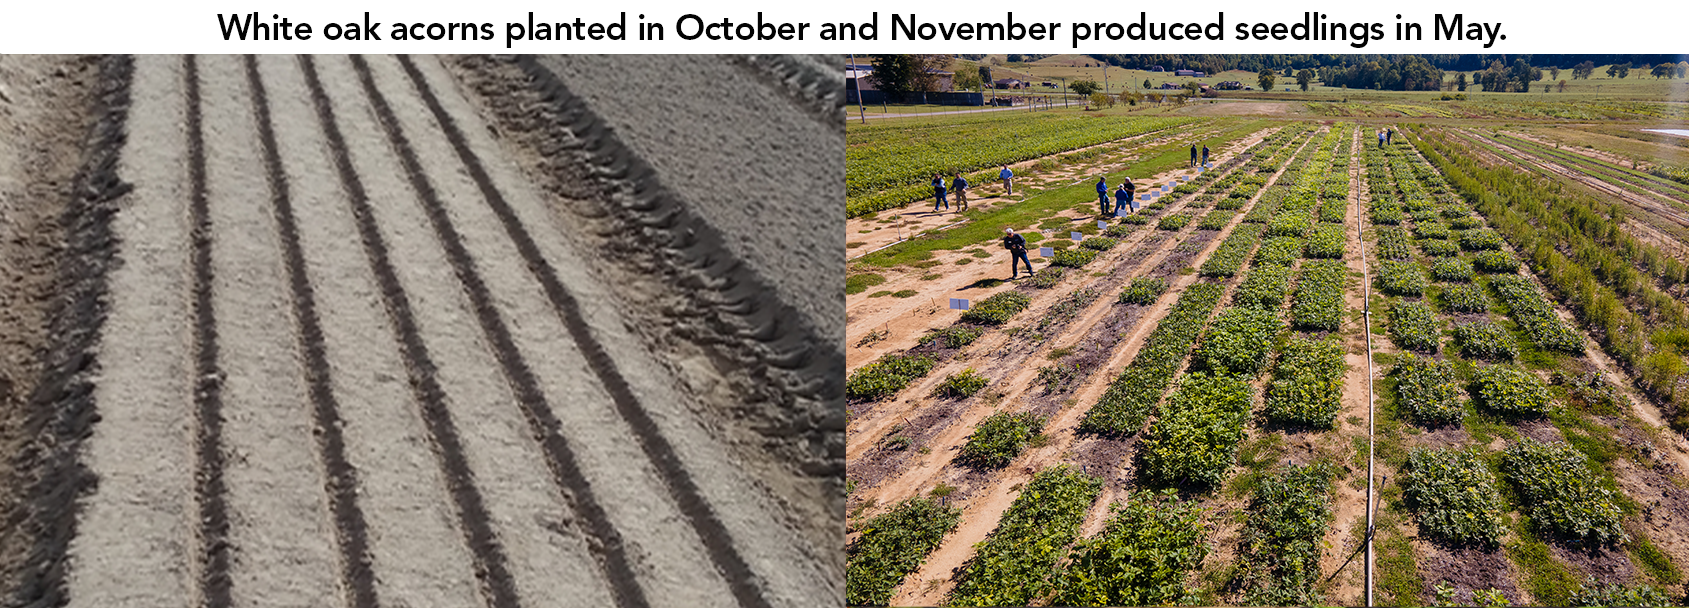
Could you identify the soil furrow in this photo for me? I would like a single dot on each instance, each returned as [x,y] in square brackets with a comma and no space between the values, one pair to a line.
[415,541]
[675,476]
[490,561]
[341,483]
[211,490]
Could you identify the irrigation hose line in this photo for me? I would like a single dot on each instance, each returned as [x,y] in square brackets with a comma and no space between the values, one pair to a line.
[1366,318]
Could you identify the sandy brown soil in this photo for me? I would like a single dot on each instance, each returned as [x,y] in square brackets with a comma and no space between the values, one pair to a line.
[325,339]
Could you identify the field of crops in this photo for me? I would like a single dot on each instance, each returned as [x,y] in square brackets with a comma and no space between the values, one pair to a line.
[889,165]
[1199,432]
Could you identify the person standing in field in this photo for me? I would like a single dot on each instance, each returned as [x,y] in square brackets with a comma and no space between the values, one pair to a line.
[1131,192]
[1389,136]
[938,193]
[1102,194]
[960,186]
[1204,155]
[1193,155]
[1122,197]
[1381,138]
[1016,244]
[1008,178]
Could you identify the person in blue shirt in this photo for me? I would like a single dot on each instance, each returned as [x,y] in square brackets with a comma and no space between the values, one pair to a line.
[1381,138]
[938,193]
[1205,155]
[1016,244]
[1008,178]
[1193,155]
[1102,194]
[960,187]
[1122,198]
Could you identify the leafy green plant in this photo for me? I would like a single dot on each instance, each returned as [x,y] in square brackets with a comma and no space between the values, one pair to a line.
[1281,250]
[1000,438]
[886,376]
[1454,495]
[1510,391]
[1393,244]
[1173,222]
[1532,311]
[1307,383]
[1049,277]
[1454,270]
[955,336]
[1141,558]
[1216,220]
[1290,223]
[1195,438]
[1401,278]
[1480,240]
[1465,223]
[1073,258]
[1561,494]
[1016,563]
[1238,341]
[1134,393]
[1427,391]
[998,308]
[1431,230]
[1466,298]
[1264,288]
[893,545]
[1282,535]
[1485,340]
[1144,290]
[1119,231]
[1319,296]
[1496,261]
[961,384]
[1325,243]
[1099,243]
[1414,327]
[1595,593]
[1229,256]
[1439,248]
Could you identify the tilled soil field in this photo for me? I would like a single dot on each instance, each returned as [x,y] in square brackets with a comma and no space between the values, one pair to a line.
[363,331]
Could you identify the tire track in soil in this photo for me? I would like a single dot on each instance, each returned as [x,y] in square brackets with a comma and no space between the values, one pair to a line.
[342,485]
[210,490]
[491,566]
[60,410]
[675,476]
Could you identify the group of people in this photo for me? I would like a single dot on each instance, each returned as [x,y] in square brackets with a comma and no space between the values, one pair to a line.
[1125,195]
[959,185]
[1384,136]
[1204,155]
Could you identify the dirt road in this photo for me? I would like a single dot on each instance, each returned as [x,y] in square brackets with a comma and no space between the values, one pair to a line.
[326,343]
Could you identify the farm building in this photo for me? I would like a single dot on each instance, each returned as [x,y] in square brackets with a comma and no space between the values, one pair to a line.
[1191,73]
[1009,83]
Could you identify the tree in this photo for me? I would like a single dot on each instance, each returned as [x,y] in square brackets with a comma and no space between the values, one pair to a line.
[985,75]
[1304,77]
[1562,86]
[1554,73]
[1146,84]
[1664,70]
[1100,99]
[1461,81]
[1620,70]
[1085,87]
[898,74]
[1266,79]
[1682,68]
[1520,75]
[1583,70]
[967,81]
